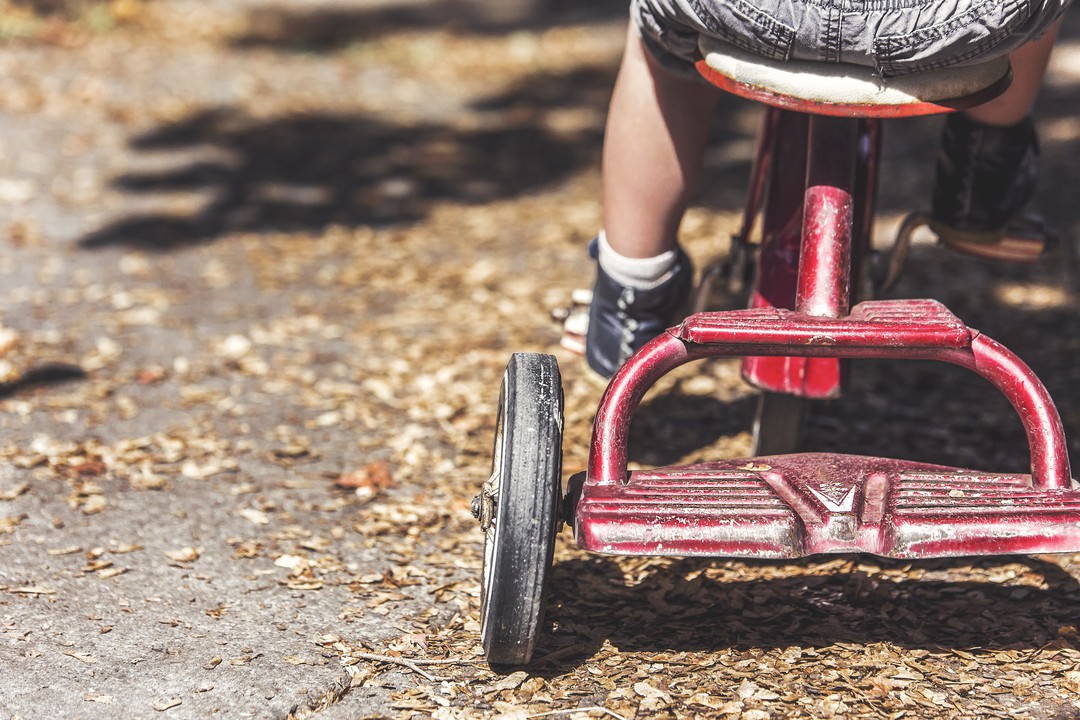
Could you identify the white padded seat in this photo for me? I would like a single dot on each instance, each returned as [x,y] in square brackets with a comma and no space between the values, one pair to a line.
[795,83]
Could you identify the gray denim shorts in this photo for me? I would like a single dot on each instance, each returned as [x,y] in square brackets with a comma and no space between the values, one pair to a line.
[897,37]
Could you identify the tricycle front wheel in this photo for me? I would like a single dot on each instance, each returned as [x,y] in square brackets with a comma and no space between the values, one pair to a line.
[519,508]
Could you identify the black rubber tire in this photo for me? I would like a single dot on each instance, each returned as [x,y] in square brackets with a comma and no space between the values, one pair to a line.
[526,489]
[779,424]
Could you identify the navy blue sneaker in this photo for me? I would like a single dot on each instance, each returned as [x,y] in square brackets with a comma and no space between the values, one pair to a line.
[985,177]
[623,319]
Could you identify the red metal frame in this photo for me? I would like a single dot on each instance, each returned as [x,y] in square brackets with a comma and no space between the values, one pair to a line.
[813,184]
[795,505]
[844,155]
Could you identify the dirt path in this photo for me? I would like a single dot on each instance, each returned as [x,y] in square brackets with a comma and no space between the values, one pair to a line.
[263,266]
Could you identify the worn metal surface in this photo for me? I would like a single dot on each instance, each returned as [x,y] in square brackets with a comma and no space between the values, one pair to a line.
[806,504]
[826,258]
[824,280]
[781,201]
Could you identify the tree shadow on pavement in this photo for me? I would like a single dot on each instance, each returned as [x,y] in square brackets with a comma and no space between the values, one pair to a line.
[328,29]
[309,171]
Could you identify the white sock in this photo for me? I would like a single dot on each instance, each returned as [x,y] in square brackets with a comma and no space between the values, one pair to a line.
[637,273]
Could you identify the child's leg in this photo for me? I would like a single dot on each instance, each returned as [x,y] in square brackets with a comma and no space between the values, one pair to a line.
[1028,65]
[657,127]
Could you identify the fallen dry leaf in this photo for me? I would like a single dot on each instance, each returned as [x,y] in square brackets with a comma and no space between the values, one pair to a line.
[183,555]
[8,340]
[244,659]
[13,492]
[9,523]
[254,516]
[81,657]
[127,548]
[92,697]
[32,591]
[94,504]
[368,481]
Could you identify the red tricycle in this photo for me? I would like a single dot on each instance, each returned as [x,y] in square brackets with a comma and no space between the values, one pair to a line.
[811,193]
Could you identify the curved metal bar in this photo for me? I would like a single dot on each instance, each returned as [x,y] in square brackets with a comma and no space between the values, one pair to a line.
[1016,381]
[611,426]
[1050,469]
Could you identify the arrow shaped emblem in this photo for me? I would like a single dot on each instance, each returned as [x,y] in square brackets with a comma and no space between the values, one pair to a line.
[844,505]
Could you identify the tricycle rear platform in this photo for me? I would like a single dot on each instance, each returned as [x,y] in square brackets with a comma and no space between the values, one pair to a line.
[809,503]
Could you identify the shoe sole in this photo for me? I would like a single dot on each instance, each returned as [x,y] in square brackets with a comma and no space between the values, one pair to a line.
[1002,245]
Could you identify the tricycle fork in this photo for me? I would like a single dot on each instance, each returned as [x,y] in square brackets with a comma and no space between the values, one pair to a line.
[829,163]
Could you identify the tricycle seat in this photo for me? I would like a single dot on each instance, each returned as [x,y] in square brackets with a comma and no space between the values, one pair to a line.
[846,89]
